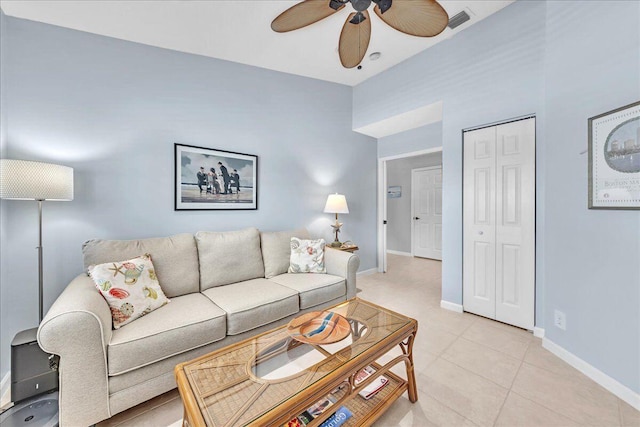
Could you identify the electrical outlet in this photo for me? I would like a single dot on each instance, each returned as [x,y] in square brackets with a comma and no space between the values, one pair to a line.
[560,319]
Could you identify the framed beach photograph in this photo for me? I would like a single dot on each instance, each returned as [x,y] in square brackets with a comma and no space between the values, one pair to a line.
[209,179]
[614,159]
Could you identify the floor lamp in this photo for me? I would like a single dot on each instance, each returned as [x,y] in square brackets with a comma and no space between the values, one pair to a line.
[26,180]
[34,379]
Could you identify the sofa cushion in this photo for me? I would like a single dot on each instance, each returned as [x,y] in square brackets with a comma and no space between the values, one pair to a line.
[313,289]
[276,250]
[253,303]
[229,257]
[189,322]
[175,259]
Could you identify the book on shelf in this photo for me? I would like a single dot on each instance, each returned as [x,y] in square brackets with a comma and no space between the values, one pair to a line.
[337,418]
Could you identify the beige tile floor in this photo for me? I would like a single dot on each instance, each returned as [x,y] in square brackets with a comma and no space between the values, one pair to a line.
[471,371]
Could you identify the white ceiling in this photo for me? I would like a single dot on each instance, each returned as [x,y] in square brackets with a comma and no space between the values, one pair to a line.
[239,31]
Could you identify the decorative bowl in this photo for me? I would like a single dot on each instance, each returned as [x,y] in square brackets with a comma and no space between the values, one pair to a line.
[319,327]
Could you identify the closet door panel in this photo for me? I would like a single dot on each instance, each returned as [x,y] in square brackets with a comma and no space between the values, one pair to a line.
[479,219]
[515,223]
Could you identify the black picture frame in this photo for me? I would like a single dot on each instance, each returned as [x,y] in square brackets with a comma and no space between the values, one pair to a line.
[200,182]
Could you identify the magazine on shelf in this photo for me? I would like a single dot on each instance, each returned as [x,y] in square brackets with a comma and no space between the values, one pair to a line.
[376,385]
[364,373]
[320,406]
[300,421]
[294,422]
[305,418]
[338,418]
[314,411]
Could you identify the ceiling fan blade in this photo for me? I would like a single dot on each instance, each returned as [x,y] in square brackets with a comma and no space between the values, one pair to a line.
[422,18]
[303,14]
[354,40]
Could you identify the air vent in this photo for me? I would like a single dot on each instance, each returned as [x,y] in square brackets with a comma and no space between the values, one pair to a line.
[458,19]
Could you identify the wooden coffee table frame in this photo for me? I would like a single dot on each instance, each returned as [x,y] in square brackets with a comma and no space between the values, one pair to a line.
[365,411]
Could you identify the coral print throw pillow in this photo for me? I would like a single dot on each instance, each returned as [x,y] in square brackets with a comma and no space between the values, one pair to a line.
[130,287]
[307,256]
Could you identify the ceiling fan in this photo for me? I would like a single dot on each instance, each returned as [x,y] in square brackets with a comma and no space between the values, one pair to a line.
[422,18]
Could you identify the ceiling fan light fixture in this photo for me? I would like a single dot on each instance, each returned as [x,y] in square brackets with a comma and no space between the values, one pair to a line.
[360,5]
[384,5]
[358,18]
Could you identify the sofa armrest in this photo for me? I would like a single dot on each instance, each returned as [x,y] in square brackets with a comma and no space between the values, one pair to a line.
[343,264]
[78,329]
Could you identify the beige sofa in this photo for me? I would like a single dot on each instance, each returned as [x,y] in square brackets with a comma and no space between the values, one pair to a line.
[223,286]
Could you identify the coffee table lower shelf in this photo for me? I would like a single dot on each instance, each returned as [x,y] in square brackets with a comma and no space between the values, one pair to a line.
[366,412]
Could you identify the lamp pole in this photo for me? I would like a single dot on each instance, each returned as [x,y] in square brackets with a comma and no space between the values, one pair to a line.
[40,275]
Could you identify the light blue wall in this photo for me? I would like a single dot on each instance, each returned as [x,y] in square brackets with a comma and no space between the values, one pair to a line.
[592,257]
[429,136]
[399,173]
[113,110]
[543,58]
[492,71]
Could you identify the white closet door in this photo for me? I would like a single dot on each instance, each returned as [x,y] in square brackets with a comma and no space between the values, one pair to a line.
[515,223]
[426,188]
[479,215]
[499,222]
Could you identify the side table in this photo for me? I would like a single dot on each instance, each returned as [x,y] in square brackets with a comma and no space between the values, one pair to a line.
[345,248]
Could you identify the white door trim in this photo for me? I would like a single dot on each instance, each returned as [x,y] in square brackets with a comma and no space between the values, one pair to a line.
[412,201]
[382,200]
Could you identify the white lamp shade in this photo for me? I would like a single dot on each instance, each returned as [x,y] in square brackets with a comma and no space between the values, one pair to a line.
[336,203]
[25,180]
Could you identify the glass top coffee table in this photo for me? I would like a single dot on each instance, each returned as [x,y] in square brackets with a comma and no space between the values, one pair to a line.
[272,378]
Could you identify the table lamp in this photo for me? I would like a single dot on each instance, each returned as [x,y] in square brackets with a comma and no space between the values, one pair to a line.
[26,180]
[336,203]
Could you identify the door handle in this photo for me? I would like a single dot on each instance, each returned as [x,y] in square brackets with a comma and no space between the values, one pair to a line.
[481,232]
[416,218]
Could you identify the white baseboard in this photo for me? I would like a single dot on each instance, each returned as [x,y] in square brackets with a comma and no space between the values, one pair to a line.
[451,306]
[620,390]
[538,332]
[5,389]
[367,272]
[389,251]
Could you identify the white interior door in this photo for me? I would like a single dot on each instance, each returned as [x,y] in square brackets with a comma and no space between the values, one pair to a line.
[515,223]
[479,214]
[426,212]
[499,222]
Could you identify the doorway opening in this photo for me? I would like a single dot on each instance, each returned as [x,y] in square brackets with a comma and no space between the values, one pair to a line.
[410,205]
